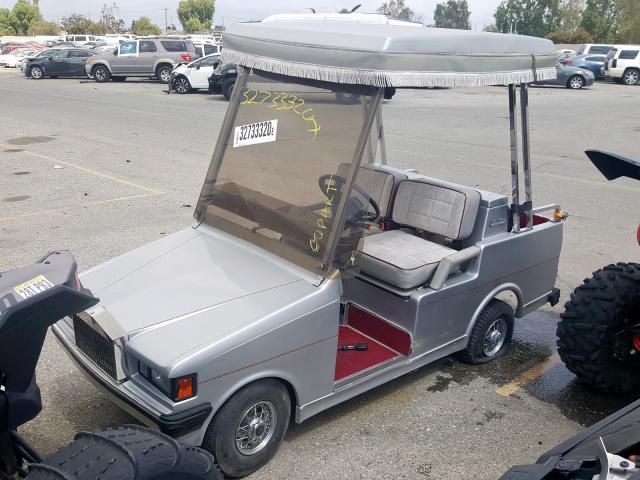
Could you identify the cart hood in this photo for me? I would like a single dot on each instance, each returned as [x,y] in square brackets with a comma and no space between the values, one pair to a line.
[180,275]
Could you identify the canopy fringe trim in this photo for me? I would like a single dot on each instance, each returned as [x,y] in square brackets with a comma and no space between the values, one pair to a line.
[387,78]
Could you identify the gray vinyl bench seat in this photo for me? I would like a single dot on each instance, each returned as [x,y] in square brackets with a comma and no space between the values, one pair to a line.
[405,260]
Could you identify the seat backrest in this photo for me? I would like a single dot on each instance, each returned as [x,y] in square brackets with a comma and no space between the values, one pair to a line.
[377,181]
[437,207]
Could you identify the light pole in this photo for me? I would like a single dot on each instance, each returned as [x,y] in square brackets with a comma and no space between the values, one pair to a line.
[166,25]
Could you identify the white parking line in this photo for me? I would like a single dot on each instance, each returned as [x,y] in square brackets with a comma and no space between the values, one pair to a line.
[88,204]
[86,170]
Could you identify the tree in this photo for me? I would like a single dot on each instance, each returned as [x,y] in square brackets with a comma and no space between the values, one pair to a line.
[143,26]
[398,9]
[76,23]
[571,14]
[629,31]
[490,28]
[6,26]
[23,15]
[98,28]
[601,18]
[528,17]
[196,15]
[453,14]
[42,27]
[579,36]
[113,25]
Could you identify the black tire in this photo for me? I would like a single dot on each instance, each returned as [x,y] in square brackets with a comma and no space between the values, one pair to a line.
[575,82]
[118,79]
[220,438]
[36,72]
[131,452]
[227,88]
[181,84]
[101,73]
[496,315]
[631,76]
[594,337]
[163,73]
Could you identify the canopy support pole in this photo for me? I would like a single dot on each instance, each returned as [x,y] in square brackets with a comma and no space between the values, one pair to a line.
[515,177]
[526,158]
[380,129]
[517,208]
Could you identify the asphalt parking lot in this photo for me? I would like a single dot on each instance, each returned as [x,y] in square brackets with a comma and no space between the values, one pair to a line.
[100,169]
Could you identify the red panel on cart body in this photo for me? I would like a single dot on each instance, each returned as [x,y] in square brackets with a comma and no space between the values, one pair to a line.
[353,361]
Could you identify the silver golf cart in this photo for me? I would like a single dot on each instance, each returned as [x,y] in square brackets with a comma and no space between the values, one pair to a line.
[315,271]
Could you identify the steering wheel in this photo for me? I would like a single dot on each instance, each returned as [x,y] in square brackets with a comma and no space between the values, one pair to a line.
[368,217]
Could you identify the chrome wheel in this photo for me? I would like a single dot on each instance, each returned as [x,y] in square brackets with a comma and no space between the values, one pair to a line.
[181,85]
[576,82]
[165,75]
[256,428]
[36,72]
[100,74]
[495,337]
[631,77]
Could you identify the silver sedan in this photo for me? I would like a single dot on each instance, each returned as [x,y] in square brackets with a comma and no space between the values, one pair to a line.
[571,77]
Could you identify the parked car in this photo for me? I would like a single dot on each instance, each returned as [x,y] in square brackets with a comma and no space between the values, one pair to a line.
[593,63]
[13,59]
[41,54]
[62,63]
[80,40]
[223,80]
[313,275]
[570,77]
[205,49]
[564,55]
[194,75]
[623,64]
[10,47]
[148,57]
[104,48]
[592,48]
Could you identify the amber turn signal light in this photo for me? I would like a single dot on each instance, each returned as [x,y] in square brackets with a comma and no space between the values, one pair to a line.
[184,387]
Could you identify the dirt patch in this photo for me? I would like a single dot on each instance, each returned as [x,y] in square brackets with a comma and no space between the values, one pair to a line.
[17,198]
[29,140]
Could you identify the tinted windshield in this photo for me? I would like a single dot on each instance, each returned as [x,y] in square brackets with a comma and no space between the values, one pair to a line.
[286,161]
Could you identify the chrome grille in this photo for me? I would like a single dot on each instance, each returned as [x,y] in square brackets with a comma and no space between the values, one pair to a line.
[92,340]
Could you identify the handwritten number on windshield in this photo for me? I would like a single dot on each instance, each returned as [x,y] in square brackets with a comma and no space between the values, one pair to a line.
[282,102]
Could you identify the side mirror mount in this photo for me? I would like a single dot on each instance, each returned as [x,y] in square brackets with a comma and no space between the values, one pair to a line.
[115,52]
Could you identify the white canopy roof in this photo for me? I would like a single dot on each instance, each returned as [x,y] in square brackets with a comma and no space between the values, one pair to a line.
[389,55]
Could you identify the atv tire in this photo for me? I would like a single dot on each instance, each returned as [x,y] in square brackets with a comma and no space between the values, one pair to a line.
[129,452]
[595,340]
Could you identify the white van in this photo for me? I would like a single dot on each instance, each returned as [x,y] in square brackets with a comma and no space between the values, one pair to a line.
[594,49]
[79,39]
[623,64]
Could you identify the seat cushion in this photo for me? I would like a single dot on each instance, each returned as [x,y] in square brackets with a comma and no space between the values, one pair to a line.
[378,181]
[401,259]
[437,207]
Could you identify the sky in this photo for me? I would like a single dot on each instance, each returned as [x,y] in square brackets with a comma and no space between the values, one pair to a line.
[230,11]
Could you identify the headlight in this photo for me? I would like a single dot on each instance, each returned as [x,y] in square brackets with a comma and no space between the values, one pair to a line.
[177,389]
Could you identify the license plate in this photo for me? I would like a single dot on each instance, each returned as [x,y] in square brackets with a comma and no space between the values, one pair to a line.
[33,287]
[254,133]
